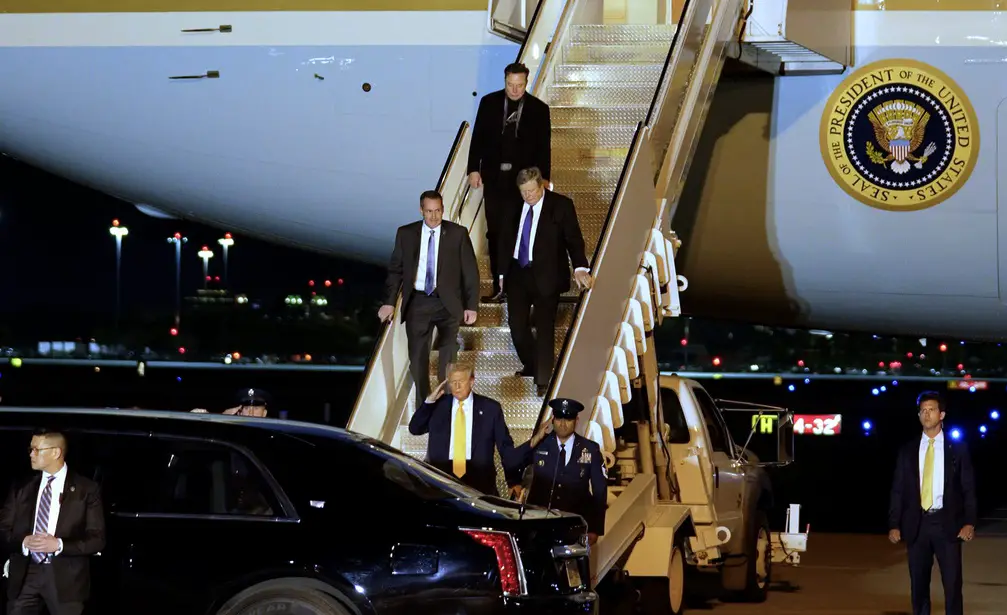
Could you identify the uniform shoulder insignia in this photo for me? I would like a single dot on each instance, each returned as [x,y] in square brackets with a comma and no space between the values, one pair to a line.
[899,135]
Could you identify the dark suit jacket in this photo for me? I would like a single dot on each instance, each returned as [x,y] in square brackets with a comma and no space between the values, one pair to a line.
[457,269]
[489,429]
[81,525]
[558,235]
[580,486]
[534,147]
[905,512]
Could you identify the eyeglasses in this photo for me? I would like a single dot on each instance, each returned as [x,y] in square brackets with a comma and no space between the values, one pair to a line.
[35,449]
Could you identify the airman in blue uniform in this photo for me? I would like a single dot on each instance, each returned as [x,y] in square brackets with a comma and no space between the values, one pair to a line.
[569,469]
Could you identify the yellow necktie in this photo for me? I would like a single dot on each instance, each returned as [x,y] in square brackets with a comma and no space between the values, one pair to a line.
[927,491]
[458,446]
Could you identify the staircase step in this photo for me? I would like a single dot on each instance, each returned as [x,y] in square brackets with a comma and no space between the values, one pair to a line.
[495,314]
[486,285]
[590,202]
[488,364]
[638,74]
[496,339]
[613,157]
[617,53]
[581,94]
[592,136]
[592,116]
[623,33]
[586,177]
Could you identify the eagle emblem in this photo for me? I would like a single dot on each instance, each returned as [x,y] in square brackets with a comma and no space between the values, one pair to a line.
[899,128]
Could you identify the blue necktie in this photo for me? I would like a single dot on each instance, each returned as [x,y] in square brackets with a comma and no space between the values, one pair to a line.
[523,256]
[42,517]
[428,286]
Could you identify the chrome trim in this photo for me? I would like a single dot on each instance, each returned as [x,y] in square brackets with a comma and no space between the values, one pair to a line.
[144,515]
[521,580]
[565,551]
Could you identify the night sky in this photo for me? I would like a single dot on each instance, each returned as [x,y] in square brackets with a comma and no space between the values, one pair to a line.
[58,255]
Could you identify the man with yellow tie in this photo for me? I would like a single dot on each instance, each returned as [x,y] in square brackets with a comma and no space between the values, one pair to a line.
[464,429]
[933,506]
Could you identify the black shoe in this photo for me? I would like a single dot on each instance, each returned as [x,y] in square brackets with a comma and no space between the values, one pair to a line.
[525,373]
[498,297]
[542,389]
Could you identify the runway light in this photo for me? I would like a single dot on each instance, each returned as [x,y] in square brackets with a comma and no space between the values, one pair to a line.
[895,383]
[800,363]
[716,361]
[684,342]
[807,381]
[982,429]
[961,367]
[181,350]
[339,281]
[881,364]
[994,414]
[173,331]
[883,389]
[944,347]
[311,282]
[875,392]
[790,387]
[956,434]
[866,425]
[328,283]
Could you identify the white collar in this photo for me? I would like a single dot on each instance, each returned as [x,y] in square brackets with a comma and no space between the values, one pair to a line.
[467,400]
[58,475]
[537,203]
[938,439]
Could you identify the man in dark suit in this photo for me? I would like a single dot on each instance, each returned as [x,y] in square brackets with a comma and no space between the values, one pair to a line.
[512,131]
[50,526]
[540,240]
[933,506]
[569,469]
[434,265]
[464,428]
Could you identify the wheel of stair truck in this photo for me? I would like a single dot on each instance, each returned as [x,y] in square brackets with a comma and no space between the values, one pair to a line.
[748,579]
[664,596]
[287,597]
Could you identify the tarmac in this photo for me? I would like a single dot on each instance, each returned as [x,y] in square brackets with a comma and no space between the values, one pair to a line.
[857,574]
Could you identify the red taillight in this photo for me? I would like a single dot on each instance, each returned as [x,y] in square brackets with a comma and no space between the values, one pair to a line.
[502,545]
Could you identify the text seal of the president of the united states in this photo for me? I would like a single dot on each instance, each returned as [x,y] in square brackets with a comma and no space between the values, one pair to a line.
[899,135]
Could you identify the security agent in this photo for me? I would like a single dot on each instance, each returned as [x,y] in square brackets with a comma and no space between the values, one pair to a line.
[569,470]
[251,402]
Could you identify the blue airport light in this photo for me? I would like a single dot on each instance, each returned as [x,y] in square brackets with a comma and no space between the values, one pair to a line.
[790,387]
[883,389]
[875,392]
[995,414]
[982,429]
[956,434]
[972,389]
[807,381]
[895,383]
[866,425]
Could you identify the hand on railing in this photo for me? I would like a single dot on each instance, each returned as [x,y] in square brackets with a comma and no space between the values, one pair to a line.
[475,180]
[386,312]
[583,279]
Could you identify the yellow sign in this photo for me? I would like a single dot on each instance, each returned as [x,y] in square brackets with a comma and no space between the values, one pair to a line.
[765,422]
[899,135]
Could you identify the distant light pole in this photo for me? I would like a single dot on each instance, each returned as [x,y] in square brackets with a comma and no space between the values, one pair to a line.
[206,254]
[226,242]
[178,240]
[118,231]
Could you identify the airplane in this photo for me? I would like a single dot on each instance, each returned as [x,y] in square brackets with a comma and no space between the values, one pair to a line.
[317,123]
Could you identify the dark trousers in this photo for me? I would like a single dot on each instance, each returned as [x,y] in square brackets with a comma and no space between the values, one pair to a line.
[501,195]
[934,541]
[38,591]
[536,351]
[423,315]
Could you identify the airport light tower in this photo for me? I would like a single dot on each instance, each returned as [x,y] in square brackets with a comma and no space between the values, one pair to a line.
[226,242]
[206,254]
[118,231]
[177,239]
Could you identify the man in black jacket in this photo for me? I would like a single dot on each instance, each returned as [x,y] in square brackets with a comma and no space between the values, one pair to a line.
[512,131]
[50,526]
[933,506]
[434,265]
[541,239]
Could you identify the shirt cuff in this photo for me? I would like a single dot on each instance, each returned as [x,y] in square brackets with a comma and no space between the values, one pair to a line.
[584,269]
[60,548]
[24,550]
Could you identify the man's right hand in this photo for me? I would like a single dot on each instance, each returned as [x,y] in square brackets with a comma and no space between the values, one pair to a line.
[541,433]
[437,393]
[475,180]
[895,536]
[386,312]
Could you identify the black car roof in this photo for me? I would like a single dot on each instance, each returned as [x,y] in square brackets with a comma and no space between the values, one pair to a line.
[194,423]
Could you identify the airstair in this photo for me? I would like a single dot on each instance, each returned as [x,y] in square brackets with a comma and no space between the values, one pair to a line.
[628,103]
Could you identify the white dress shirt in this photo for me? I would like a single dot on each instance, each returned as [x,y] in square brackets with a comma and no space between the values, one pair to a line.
[54,506]
[535,210]
[421,266]
[467,411]
[938,485]
[569,447]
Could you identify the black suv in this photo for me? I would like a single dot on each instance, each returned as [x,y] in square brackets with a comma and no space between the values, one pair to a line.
[211,514]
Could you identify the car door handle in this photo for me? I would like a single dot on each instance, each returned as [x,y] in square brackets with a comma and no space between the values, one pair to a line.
[716,477]
[224,28]
[210,74]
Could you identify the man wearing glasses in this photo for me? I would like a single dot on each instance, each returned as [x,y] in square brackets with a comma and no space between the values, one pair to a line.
[49,527]
[933,506]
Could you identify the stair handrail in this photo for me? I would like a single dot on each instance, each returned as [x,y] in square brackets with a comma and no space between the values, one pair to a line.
[382,378]
[546,64]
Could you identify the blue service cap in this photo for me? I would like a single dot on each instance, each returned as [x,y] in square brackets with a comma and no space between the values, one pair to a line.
[252,397]
[563,408]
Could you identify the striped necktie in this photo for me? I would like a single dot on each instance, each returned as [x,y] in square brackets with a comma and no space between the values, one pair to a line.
[42,517]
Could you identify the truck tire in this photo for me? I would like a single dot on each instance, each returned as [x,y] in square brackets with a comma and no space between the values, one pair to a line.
[289,599]
[664,596]
[756,566]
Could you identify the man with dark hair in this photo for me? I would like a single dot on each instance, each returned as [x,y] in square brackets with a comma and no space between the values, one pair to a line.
[434,265]
[512,131]
[541,238]
[933,506]
[50,526]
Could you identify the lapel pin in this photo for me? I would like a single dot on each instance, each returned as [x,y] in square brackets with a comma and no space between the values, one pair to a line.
[73,488]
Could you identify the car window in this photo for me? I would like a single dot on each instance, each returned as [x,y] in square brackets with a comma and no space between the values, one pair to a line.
[718,435]
[384,464]
[165,475]
[674,417]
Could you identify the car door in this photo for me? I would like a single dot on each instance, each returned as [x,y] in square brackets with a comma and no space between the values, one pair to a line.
[729,476]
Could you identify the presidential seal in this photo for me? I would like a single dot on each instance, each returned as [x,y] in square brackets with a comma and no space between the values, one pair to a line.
[899,135]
